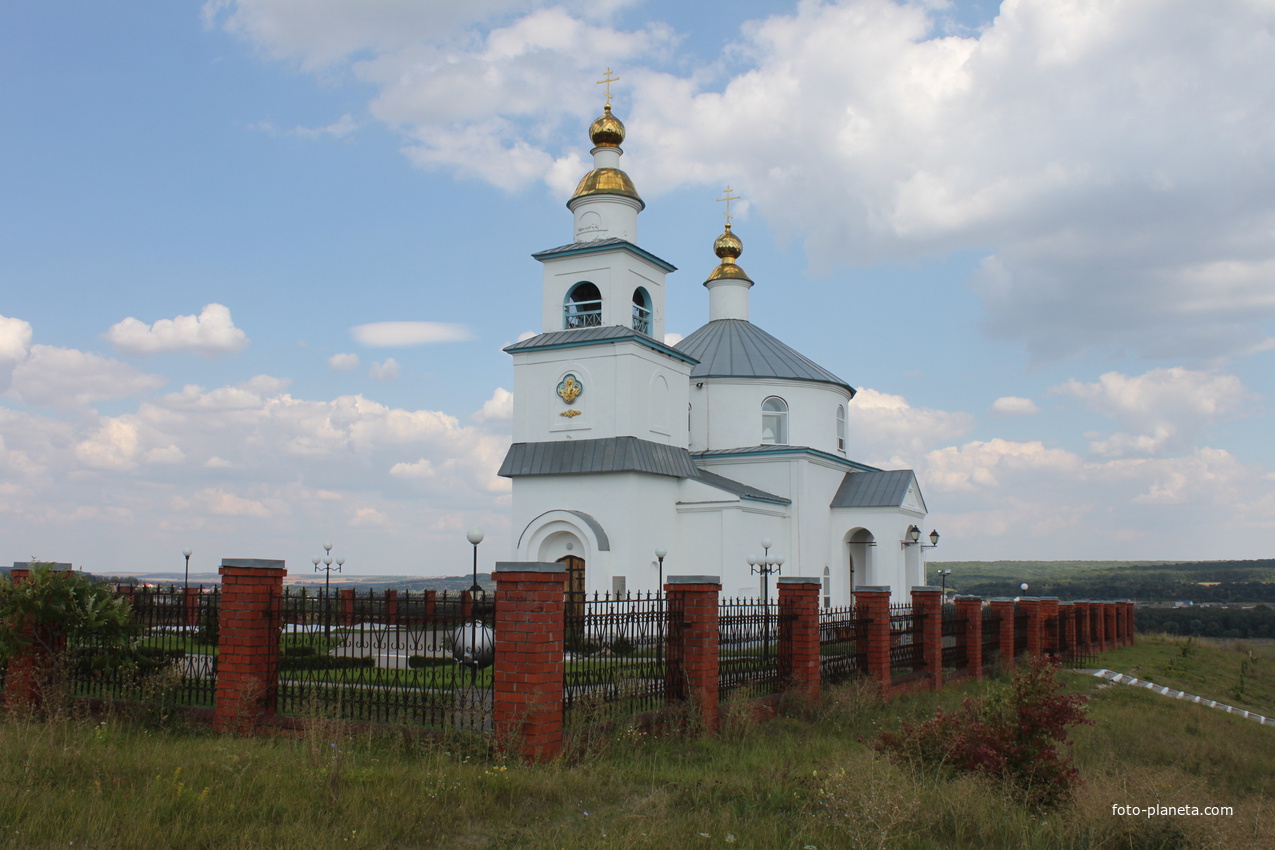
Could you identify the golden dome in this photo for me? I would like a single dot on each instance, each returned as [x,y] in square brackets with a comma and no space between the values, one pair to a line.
[728,247]
[606,181]
[606,131]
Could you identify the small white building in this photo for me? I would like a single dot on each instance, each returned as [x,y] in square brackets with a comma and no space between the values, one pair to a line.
[624,445]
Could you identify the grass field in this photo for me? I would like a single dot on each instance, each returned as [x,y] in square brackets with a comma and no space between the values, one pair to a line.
[805,781]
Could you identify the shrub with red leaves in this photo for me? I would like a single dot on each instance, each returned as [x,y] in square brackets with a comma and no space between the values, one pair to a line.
[1013,736]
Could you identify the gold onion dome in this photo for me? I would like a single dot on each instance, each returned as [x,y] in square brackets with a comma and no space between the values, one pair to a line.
[606,131]
[728,247]
[606,181]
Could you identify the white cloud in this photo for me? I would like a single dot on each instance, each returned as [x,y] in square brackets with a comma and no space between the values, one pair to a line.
[671,338]
[1163,410]
[399,334]
[498,408]
[339,129]
[886,429]
[210,334]
[344,362]
[369,517]
[983,464]
[1112,159]
[1014,406]
[385,371]
[68,379]
[15,343]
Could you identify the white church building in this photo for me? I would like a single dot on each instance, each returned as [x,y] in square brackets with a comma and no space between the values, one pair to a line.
[624,446]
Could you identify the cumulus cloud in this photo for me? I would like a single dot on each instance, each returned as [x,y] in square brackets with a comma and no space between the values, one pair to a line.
[68,379]
[1014,406]
[344,362]
[886,429]
[385,371]
[210,334]
[1160,411]
[401,334]
[15,343]
[1113,160]
[498,408]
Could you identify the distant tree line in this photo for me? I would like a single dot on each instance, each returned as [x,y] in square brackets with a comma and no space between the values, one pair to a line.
[1257,622]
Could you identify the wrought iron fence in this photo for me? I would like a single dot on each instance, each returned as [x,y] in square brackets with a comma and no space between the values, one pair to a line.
[991,637]
[954,651]
[615,658]
[842,645]
[748,637]
[171,656]
[384,657]
[906,633]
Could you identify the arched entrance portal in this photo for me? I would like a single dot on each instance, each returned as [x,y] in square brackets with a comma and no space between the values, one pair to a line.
[859,543]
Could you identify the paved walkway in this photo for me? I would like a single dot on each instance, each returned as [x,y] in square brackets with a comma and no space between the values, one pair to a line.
[1121,678]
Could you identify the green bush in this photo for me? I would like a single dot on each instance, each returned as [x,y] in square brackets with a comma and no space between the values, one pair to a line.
[325,662]
[420,662]
[52,609]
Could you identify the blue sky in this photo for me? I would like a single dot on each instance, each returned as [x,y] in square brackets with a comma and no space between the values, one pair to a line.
[1038,237]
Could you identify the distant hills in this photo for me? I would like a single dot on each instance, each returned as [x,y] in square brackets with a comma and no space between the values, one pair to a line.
[1144,581]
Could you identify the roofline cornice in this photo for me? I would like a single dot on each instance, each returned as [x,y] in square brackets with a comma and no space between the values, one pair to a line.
[605,245]
[641,339]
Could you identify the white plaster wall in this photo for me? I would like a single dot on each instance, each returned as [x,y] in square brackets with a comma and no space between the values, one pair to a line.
[616,273]
[605,217]
[726,412]
[621,380]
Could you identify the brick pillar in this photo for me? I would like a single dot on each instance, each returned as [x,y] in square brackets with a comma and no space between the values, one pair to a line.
[927,604]
[692,645]
[1082,626]
[1132,614]
[1049,626]
[431,605]
[1004,608]
[30,669]
[1099,628]
[190,598]
[466,606]
[872,608]
[527,677]
[799,635]
[970,609]
[248,643]
[347,606]
[391,607]
[1067,629]
[1109,614]
[1035,626]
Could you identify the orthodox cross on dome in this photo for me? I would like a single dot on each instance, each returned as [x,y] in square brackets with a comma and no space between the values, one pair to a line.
[728,197]
[607,79]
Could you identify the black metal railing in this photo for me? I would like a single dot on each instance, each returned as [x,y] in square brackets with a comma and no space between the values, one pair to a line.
[991,638]
[171,656]
[907,630]
[748,638]
[384,658]
[842,645]
[954,651]
[615,657]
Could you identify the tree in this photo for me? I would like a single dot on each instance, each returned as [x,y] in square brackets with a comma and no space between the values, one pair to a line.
[49,610]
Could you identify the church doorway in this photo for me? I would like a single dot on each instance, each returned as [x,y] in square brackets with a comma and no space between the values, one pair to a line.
[575,595]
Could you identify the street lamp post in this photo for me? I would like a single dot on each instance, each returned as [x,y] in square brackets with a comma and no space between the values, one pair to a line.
[327,569]
[765,566]
[659,554]
[943,574]
[186,580]
[474,536]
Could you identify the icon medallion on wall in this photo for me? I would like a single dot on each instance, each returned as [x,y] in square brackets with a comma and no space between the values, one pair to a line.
[570,389]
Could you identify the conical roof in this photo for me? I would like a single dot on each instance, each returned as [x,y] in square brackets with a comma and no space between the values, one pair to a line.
[736,348]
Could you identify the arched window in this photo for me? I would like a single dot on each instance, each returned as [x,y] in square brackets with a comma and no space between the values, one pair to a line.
[841,428]
[827,587]
[641,310]
[774,421]
[582,307]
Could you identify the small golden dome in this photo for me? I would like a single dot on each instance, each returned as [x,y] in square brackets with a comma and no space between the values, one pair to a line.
[606,181]
[728,247]
[606,131]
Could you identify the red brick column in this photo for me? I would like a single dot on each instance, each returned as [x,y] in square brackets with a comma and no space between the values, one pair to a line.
[799,635]
[527,676]
[1035,626]
[30,669]
[1099,628]
[1049,626]
[872,608]
[431,605]
[190,598]
[1005,610]
[1109,615]
[391,607]
[692,645]
[1068,618]
[927,604]
[347,606]
[248,642]
[1082,626]
[970,609]
[1131,613]
[466,606]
